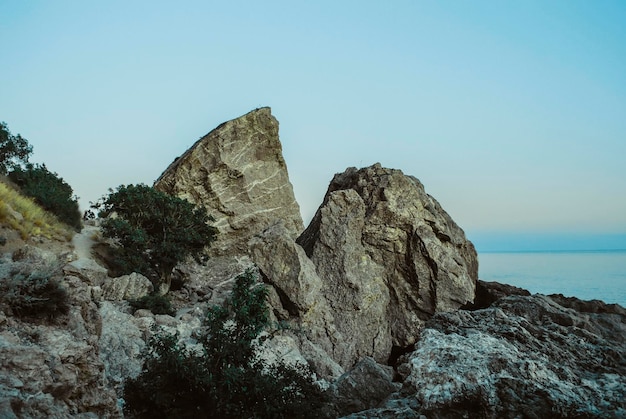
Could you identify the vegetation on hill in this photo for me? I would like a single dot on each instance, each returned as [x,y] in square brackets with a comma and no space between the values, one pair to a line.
[154,231]
[224,378]
[25,216]
[47,188]
[50,191]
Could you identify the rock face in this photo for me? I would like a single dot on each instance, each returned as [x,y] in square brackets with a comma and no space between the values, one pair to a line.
[525,356]
[238,173]
[389,257]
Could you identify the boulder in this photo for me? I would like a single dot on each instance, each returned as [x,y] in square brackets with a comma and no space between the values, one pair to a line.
[389,257]
[127,287]
[364,387]
[295,296]
[121,344]
[237,172]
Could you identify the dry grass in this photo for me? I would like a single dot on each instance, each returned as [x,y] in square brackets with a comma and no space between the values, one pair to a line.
[23,215]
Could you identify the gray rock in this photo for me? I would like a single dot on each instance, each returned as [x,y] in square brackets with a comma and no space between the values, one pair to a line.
[295,295]
[364,387]
[525,356]
[126,287]
[87,270]
[237,172]
[120,344]
[389,257]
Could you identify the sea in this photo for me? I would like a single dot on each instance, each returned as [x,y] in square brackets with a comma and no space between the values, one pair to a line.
[587,275]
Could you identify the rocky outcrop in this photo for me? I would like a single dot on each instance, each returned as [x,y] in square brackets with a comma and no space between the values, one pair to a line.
[238,173]
[388,257]
[52,368]
[525,356]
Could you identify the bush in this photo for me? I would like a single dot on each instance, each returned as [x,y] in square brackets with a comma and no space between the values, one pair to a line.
[50,191]
[155,231]
[34,295]
[224,379]
[157,304]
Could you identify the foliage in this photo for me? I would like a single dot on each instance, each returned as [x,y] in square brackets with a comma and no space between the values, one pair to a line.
[157,304]
[14,149]
[154,230]
[27,217]
[50,191]
[224,379]
[34,295]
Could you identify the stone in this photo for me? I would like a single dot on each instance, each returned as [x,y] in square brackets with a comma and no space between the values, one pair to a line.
[295,295]
[127,287]
[389,257]
[87,270]
[121,344]
[489,292]
[237,172]
[524,356]
[364,387]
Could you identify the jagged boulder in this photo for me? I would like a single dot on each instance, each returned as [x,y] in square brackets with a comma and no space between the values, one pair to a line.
[238,173]
[389,257]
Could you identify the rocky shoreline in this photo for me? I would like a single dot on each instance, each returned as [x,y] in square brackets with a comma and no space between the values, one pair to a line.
[379,295]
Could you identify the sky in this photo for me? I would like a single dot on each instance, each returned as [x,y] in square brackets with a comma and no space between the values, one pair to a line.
[512,114]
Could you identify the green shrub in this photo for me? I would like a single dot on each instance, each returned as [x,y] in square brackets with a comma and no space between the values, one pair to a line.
[50,191]
[224,379]
[157,304]
[34,295]
[154,231]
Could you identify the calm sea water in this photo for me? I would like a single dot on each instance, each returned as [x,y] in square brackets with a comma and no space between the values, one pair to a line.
[584,274]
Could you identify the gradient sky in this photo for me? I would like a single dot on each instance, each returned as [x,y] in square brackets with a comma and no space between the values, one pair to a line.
[512,114]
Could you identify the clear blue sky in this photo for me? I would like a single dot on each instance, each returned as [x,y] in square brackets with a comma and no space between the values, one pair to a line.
[512,114]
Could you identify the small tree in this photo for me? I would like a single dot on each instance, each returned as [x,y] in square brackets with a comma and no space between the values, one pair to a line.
[50,191]
[155,231]
[225,379]
[14,149]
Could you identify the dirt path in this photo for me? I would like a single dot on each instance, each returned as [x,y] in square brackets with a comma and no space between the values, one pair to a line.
[83,242]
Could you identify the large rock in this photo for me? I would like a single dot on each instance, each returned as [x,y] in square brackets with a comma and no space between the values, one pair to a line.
[238,173]
[389,257]
[525,356]
[295,295]
[127,287]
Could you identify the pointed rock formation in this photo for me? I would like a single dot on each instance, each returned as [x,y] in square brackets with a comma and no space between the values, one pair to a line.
[238,173]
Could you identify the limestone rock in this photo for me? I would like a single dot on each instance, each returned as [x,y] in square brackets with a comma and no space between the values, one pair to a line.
[237,172]
[365,386]
[489,292]
[295,295]
[389,257]
[525,356]
[121,344]
[127,287]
